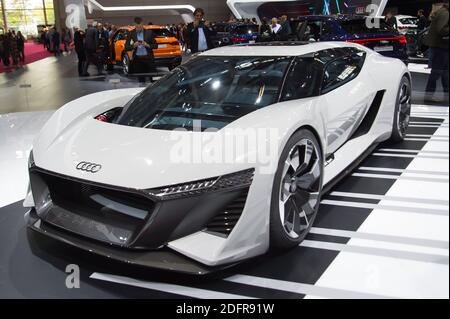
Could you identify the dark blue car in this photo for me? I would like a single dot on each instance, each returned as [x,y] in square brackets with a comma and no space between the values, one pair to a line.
[235,33]
[373,33]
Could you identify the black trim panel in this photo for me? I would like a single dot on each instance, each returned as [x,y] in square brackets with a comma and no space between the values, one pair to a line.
[370,117]
[163,259]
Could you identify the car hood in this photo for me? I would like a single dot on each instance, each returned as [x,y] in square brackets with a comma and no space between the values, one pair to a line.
[132,157]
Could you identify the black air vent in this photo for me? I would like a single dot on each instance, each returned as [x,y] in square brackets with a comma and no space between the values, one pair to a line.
[370,117]
[225,221]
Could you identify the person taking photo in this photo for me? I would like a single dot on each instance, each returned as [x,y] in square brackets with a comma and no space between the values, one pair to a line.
[198,33]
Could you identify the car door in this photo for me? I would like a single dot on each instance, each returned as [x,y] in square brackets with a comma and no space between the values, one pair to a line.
[346,93]
[119,40]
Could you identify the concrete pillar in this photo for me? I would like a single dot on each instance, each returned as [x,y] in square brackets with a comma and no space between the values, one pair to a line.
[5,23]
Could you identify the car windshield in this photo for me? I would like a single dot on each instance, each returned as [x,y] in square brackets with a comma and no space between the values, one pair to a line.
[243,29]
[214,90]
[162,33]
[359,26]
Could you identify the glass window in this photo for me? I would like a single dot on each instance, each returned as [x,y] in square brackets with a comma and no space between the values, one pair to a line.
[359,26]
[50,16]
[341,71]
[163,33]
[26,15]
[309,30]
[48,4]
[244,29]
[412,21]
[303,79]
[121,35]
[326,28]
[215,90]
[220,27]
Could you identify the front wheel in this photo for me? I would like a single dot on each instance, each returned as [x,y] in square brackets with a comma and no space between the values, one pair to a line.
[402,112]
[296,190]
[109,67]
[126,64]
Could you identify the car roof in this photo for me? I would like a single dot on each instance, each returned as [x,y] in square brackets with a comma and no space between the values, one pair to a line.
[278,48]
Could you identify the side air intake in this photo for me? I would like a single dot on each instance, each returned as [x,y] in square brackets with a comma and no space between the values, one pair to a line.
[225,221]
[370,117]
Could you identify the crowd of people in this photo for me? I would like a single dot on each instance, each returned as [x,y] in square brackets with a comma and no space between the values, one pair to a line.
[93,44]
[52,40]
[12,49]
[275,29]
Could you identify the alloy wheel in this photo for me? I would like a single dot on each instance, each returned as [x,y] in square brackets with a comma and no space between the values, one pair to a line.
[300,188]
[404,109]
[125,65]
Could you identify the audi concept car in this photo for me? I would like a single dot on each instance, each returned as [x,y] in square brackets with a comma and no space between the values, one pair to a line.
[223,159]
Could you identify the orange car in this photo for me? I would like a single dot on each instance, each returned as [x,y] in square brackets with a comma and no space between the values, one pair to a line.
[167,54]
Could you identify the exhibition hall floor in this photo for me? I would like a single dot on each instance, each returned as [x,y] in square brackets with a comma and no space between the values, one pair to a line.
[383,232]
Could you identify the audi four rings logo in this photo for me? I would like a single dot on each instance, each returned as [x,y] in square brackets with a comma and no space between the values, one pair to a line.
[89,167]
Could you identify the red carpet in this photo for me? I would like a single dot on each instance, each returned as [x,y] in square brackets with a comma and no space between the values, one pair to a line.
[33,52]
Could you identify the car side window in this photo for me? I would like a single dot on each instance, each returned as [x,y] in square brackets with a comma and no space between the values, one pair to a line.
[342,70]
[120,35]
[309,30]
[303,79]
[326,29]
[313,30]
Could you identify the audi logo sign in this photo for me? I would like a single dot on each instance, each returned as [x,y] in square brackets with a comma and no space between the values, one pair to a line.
[89,167]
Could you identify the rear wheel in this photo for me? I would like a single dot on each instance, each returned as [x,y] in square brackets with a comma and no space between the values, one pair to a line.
[402,113]
[296,190]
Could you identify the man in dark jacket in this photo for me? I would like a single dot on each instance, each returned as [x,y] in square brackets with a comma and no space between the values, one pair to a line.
[286,29]
[91,43]
[423,21]
[102,51]
[141,42]
[56,41]
[391,20]
[437,40]
[198,33]
[78,41]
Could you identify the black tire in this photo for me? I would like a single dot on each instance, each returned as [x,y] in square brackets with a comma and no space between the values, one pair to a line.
[279,237]
[126,65]
[109,67]
[402,112]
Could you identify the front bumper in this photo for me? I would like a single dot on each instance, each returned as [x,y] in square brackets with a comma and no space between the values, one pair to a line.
[131,225]
[162,259]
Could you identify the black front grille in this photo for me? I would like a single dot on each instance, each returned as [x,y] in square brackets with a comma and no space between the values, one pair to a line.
[97,212]
[227,219]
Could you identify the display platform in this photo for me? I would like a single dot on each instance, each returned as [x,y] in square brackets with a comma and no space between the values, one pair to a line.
[383,232]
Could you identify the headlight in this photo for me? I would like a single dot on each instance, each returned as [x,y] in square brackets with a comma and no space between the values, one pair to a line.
[221,183]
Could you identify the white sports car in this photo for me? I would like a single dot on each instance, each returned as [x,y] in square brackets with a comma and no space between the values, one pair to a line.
[221,160]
